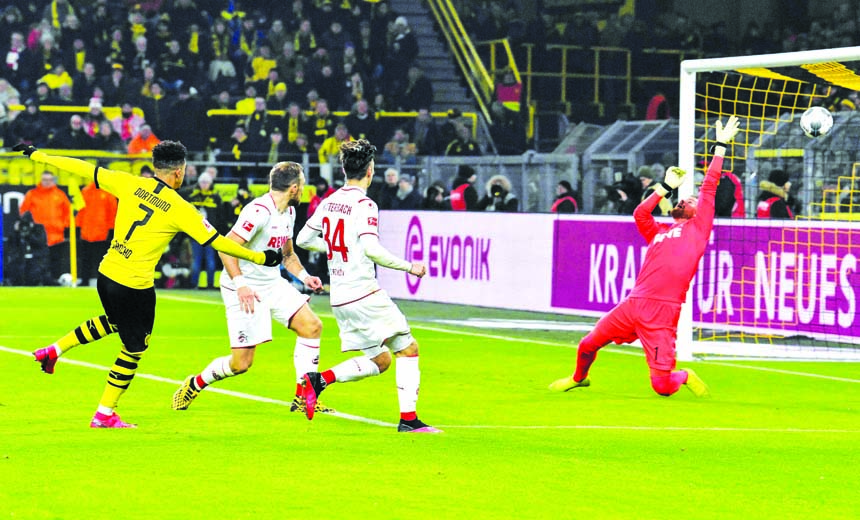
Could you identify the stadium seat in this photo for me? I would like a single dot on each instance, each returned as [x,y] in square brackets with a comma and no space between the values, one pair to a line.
[226,190]
[136,166]
[4,171]
[120,166]
[21,172]
[258,190]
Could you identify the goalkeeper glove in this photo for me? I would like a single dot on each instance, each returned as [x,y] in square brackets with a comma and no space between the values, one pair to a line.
[28,149]
[725,134]
[274,257]
[674,177]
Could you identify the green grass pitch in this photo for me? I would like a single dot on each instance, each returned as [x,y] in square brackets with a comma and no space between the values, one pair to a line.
[776,439]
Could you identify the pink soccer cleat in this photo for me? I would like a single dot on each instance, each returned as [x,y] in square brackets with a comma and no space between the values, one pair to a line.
[101,420]
[47,357]
[312,386]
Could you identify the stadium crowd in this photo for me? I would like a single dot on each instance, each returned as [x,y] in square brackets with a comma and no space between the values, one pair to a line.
[175,60]
[167,63]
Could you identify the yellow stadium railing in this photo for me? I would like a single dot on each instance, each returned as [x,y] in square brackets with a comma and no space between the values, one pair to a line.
[503,46]
[596,75]
[109,112]
[472,116]
[494,50]
[478,79]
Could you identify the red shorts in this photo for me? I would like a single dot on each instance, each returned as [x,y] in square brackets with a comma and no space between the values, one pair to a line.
[653,322]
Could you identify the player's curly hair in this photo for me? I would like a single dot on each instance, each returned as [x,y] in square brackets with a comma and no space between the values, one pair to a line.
[168,155]
[284,174]
[355,156]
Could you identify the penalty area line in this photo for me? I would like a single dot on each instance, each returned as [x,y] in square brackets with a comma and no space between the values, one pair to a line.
[374,422]
[420,325]
[232,393]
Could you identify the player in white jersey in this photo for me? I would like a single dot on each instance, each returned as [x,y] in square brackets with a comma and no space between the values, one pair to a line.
[345,227]
[254,297]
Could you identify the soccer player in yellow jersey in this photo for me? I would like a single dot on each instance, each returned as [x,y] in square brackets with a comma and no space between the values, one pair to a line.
[149,214]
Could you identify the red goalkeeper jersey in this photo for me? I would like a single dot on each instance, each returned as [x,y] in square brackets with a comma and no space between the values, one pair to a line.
[674,250]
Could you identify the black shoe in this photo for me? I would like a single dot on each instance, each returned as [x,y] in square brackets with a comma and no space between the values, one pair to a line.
[416,426]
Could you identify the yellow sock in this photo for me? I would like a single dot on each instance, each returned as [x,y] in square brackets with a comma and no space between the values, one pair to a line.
[119,378]
[91,330]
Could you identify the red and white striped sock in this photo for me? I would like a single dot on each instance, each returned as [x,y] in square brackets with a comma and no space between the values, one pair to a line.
[218,369]
[306,358]
[408,378]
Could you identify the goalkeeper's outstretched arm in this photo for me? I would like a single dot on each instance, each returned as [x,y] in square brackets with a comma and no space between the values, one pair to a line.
[645,223]
[708,191]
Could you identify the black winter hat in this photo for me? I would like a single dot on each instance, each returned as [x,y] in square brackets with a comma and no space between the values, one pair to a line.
[778,177]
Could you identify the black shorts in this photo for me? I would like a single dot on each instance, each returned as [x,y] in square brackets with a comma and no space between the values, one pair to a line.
[131,310]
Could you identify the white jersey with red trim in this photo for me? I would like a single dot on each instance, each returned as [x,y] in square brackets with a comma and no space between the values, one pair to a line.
[341,219]
[263,227]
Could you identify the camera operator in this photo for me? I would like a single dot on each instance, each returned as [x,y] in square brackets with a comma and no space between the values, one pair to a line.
[625,193]
[499,196]
[28,253]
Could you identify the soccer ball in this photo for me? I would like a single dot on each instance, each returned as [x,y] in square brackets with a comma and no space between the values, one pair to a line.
[816,121]
[65,280]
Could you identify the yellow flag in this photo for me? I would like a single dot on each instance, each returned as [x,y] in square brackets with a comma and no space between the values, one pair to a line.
[75,194]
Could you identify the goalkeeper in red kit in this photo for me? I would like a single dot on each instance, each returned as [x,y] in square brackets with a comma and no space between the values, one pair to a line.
[651,311]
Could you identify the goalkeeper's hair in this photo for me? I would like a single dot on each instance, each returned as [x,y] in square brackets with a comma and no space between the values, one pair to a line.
[168,155]
[355,156]
[284,174]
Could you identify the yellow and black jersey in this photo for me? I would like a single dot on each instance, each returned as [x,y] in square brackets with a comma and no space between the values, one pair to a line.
[149,214]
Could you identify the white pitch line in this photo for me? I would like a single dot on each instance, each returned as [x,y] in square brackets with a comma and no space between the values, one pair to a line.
[568,345]
[240,395]
[639,428]
[788,372]
[366,420]
[447,331]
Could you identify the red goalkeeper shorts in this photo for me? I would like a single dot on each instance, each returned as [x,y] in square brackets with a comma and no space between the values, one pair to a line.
[653,322]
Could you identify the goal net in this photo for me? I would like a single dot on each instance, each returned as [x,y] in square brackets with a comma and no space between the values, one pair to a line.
[767,288]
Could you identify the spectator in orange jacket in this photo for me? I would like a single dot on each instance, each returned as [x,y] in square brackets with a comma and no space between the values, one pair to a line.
[95,221]
[50,207]
[143,142]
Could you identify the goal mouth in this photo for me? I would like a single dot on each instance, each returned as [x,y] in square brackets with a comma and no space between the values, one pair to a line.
[767,287]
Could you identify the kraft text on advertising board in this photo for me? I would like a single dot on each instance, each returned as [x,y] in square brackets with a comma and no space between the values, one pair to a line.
[801,277]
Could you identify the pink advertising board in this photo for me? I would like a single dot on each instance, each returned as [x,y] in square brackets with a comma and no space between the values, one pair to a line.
[763,275]
[484,259]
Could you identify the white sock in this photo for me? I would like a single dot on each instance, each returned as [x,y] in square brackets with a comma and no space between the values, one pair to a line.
[57,350]
[354,369]
[408,379]
[218,369]
[306,356]
[104,410]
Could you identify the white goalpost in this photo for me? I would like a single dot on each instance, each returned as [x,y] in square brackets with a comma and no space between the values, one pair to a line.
[776,289]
